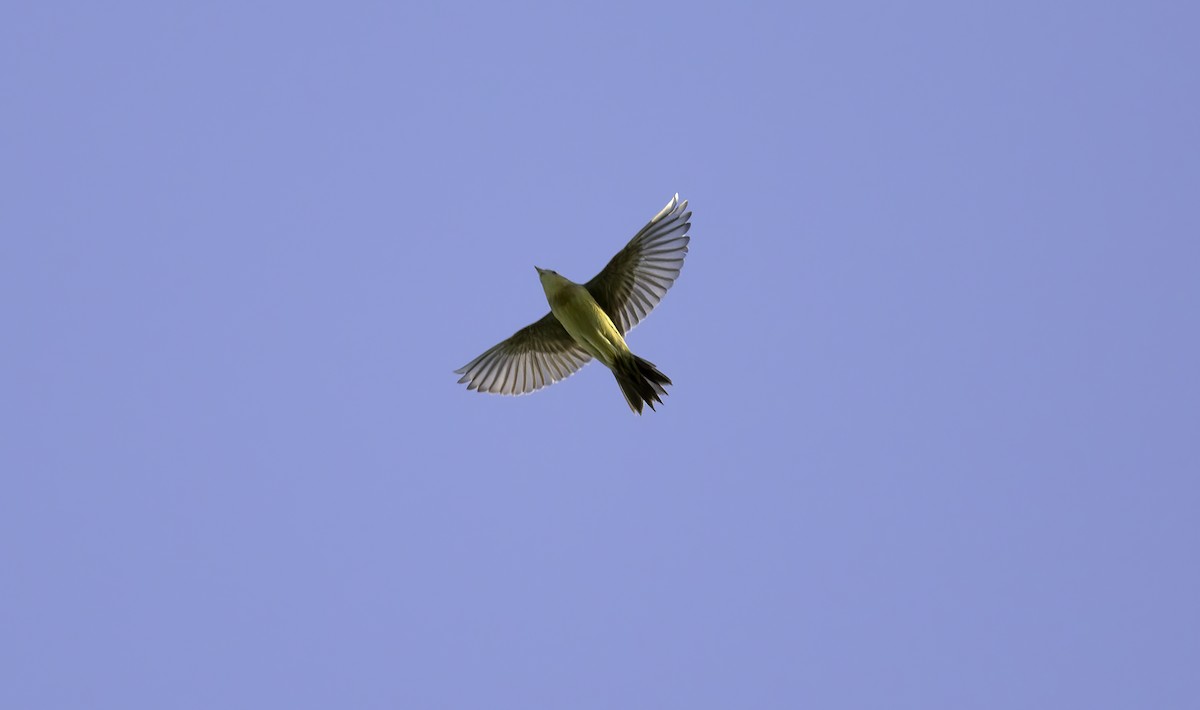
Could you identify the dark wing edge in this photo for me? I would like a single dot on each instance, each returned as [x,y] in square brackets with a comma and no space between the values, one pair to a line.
[636,279]
[536,356]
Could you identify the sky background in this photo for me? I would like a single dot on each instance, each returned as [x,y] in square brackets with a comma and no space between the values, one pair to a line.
[933,439]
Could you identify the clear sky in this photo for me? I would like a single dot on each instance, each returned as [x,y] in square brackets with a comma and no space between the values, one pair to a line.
[933,439]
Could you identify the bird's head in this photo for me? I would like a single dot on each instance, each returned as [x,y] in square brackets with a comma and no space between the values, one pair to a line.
[552,283]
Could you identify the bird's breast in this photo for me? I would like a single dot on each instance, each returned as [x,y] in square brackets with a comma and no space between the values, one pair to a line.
[588,324]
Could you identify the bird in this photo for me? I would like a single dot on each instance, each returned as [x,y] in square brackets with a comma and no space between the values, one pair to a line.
[590,320]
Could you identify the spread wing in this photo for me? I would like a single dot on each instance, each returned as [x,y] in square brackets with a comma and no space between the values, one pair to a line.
[537,355]
[637,278]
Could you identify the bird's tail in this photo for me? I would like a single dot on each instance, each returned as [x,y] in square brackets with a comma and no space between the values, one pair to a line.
[640,381]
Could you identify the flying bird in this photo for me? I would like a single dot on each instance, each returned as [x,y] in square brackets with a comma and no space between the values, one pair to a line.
[590,320]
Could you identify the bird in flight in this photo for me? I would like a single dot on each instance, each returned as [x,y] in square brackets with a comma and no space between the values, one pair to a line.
[590,320]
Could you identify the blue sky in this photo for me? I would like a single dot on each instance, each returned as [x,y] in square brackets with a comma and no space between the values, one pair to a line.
[933,435]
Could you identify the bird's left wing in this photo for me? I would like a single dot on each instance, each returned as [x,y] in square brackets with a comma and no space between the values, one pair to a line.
[637,278]
[537,355]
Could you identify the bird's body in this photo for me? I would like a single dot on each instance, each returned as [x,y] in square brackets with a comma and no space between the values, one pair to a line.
[590,320]
[584,319]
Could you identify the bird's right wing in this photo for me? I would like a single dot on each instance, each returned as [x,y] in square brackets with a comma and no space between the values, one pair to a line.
[537,355]
[637,278]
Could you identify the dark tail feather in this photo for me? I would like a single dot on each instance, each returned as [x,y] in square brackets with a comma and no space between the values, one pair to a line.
[640,381]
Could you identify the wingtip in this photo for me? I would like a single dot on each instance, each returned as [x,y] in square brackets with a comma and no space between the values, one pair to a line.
[671,205]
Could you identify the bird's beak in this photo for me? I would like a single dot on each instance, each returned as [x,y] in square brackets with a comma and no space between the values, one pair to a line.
[539,270]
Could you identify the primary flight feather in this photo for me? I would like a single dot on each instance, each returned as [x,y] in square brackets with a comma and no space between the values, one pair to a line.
[590,320]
